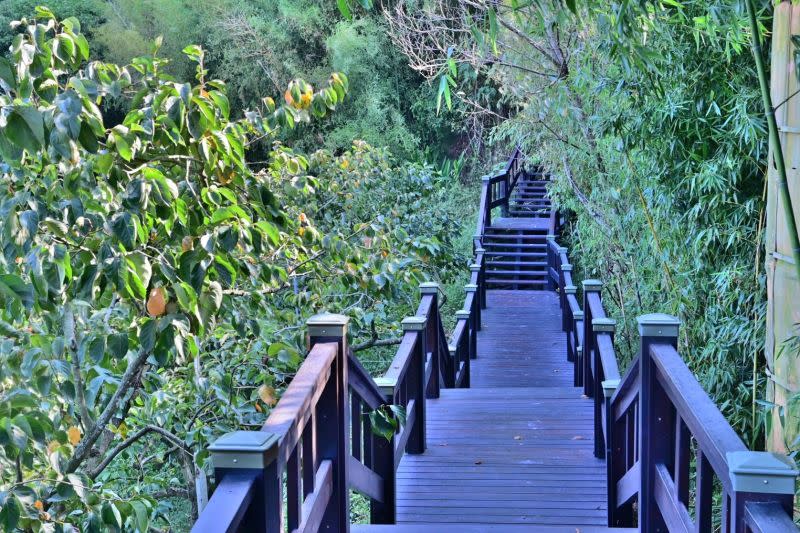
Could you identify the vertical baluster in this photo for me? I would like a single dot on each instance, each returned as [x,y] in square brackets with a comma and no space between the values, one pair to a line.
[655,415]
[294,501]
[704,497]
[415,379]
[309,455]
[355,425]
[333,418]
[366,432]
[681,471]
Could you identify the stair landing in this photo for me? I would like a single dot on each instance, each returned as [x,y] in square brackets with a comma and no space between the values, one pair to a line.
[516,448]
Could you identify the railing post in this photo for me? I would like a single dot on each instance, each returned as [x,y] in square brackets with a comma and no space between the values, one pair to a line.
[600,325]
[254,453]
[416,442]
[613,458]
[562,288]
[481,295]
[465,315]
[479,254]
[589,286]
[332,418]
[551,262]
[759,477]
[577,316]
[565,316]
[655,416]
[487,215]
[476,306]
[506,193]
[432,340]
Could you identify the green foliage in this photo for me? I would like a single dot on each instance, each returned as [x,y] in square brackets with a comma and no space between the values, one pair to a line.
[153,285]
[649,115]
[258,47]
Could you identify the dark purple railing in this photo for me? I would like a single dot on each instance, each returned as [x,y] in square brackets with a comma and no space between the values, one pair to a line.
[651,424]
[317,443]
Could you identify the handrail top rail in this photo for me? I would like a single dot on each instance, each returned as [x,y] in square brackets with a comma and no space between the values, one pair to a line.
[698,411]
[293,408]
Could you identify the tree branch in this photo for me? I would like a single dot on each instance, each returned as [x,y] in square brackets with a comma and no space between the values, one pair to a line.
[166,435]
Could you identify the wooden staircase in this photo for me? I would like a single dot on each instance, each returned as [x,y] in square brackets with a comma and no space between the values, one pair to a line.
[529,198]
[516,245]
[519,420]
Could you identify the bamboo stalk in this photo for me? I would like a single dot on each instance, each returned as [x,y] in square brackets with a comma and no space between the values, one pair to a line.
[774,138]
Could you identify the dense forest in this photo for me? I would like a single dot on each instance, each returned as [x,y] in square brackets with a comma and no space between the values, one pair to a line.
[185,183]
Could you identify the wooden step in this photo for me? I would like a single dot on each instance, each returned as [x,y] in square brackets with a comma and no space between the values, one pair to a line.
[517,263]
[490,281]
[523,273]
[510,236]
[495,245]
[421,527]
[501,253]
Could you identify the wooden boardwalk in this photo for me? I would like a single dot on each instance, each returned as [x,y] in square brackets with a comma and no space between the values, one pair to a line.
[516,448]
[497,438]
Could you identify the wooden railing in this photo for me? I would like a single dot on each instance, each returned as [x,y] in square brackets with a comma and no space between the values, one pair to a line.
[651,423]
[318,443]
[496,191]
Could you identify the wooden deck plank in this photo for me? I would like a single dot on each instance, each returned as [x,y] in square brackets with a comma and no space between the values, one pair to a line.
[521,223]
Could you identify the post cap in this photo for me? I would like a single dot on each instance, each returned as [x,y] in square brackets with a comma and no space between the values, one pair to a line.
[480,250]
[764,472]
[562,249]
[244,449]
[577,315]
[604,324]
[462,313]
[486,178]
[570,289]
[592,285]
[451,348]
[470,287]
[658,325]
[413,323]
[550,237]
[474,268]
[566,267]
[429,287]
[327,325]
[579,349]
[609,386]
[386,386]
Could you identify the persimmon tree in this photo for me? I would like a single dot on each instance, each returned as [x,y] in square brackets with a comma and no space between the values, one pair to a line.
[153,282]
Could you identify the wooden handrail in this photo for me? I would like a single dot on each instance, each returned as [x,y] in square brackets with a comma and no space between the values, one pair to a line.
[645,421]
